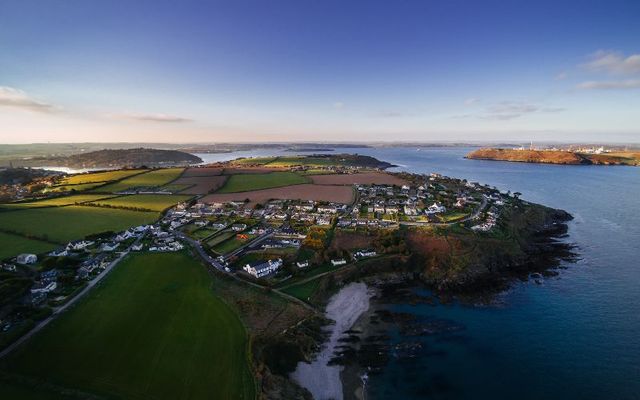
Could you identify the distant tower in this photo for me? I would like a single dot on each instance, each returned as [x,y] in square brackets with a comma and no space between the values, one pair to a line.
[531,145]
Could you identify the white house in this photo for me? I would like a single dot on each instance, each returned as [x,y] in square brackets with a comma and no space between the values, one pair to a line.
[365,253]
[260,269]
[436,208]
[26,258]
[304,264]
[42,288]
[338,262]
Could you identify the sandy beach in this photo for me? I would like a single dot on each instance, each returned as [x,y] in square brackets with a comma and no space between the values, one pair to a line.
[345,307]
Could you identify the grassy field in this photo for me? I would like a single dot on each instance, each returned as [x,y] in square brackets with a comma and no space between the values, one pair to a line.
[153,330]
[152,202]
[247,182]
[303,291]
[78,188]
[231,244]
[58,201]
[105,176]
[62,224]
[154,178]
[219,238]
[254,161]
[12,245]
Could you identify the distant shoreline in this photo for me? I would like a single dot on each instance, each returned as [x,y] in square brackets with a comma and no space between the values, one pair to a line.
[559,157]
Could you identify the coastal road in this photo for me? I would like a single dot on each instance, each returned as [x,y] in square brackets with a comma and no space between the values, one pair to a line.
[58,310]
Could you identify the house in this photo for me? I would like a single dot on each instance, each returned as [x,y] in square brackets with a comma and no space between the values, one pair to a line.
[26,258]
[261,268]
[303,264]
[41,287]
[239,227]
[410,210]
[82,273]
[109,246]
[338,262]
[136,247]
[59,253]
[79,245]
[436,208]
[365,253]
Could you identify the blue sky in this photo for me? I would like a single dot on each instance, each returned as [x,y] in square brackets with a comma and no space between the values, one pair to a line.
[207,71]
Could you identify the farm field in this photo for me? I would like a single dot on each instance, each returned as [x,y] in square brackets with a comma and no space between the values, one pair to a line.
[58,201]
[254,161]
[204,171]
[63,224]
[202,233]
[150,202]
[151,179]
[366,178]
[338,194]
[153,329]
[104,176]
[244,183]
[248,170]
[78,188]
[201,184]
[12,245]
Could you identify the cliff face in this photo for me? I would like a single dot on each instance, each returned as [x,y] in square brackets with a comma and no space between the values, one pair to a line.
[532,156]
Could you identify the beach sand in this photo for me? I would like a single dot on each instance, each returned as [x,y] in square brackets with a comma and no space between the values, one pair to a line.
[345,307]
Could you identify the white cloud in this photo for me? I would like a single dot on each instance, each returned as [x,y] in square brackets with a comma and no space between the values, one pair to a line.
[613,62]
[508,110]
[11,97]
[338,105]
[156,118]
[471,101]
[609,85]
[561,76]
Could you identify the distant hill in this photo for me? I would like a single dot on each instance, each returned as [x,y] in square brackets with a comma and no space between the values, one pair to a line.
[555,157]
[119,158]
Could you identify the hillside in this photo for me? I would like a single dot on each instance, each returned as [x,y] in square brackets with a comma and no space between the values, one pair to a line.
[556,157]
[531,156]
[119,158]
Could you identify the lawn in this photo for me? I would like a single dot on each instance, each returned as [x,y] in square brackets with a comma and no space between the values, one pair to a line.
[202,233]
[153,330]
[12,245]
[62,224]
[248,182]
[105,176]
[231,244]
[219,238]
[303,291]
[151,179]
[57,201]
[151,202]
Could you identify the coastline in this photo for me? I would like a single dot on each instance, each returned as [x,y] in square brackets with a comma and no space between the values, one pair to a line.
[320,378]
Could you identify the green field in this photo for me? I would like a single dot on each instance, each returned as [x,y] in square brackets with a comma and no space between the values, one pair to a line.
[253,161]
[231,244]
[303,291]
[153,330]
[104,176]
[12,245]
[154,178]
[57,201]
[152,202]
[247,182]
[219,238]
[62,224]
[78,188]
[202,233]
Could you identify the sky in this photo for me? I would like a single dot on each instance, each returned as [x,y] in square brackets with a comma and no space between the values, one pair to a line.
[303,70]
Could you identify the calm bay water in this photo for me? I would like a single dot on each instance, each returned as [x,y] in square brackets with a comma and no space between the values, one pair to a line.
[575,336]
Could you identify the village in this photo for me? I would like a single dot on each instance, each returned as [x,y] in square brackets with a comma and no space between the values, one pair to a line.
[267,243]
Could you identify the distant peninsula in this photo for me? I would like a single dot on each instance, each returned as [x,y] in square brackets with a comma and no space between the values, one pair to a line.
[566,157]
[118,158]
